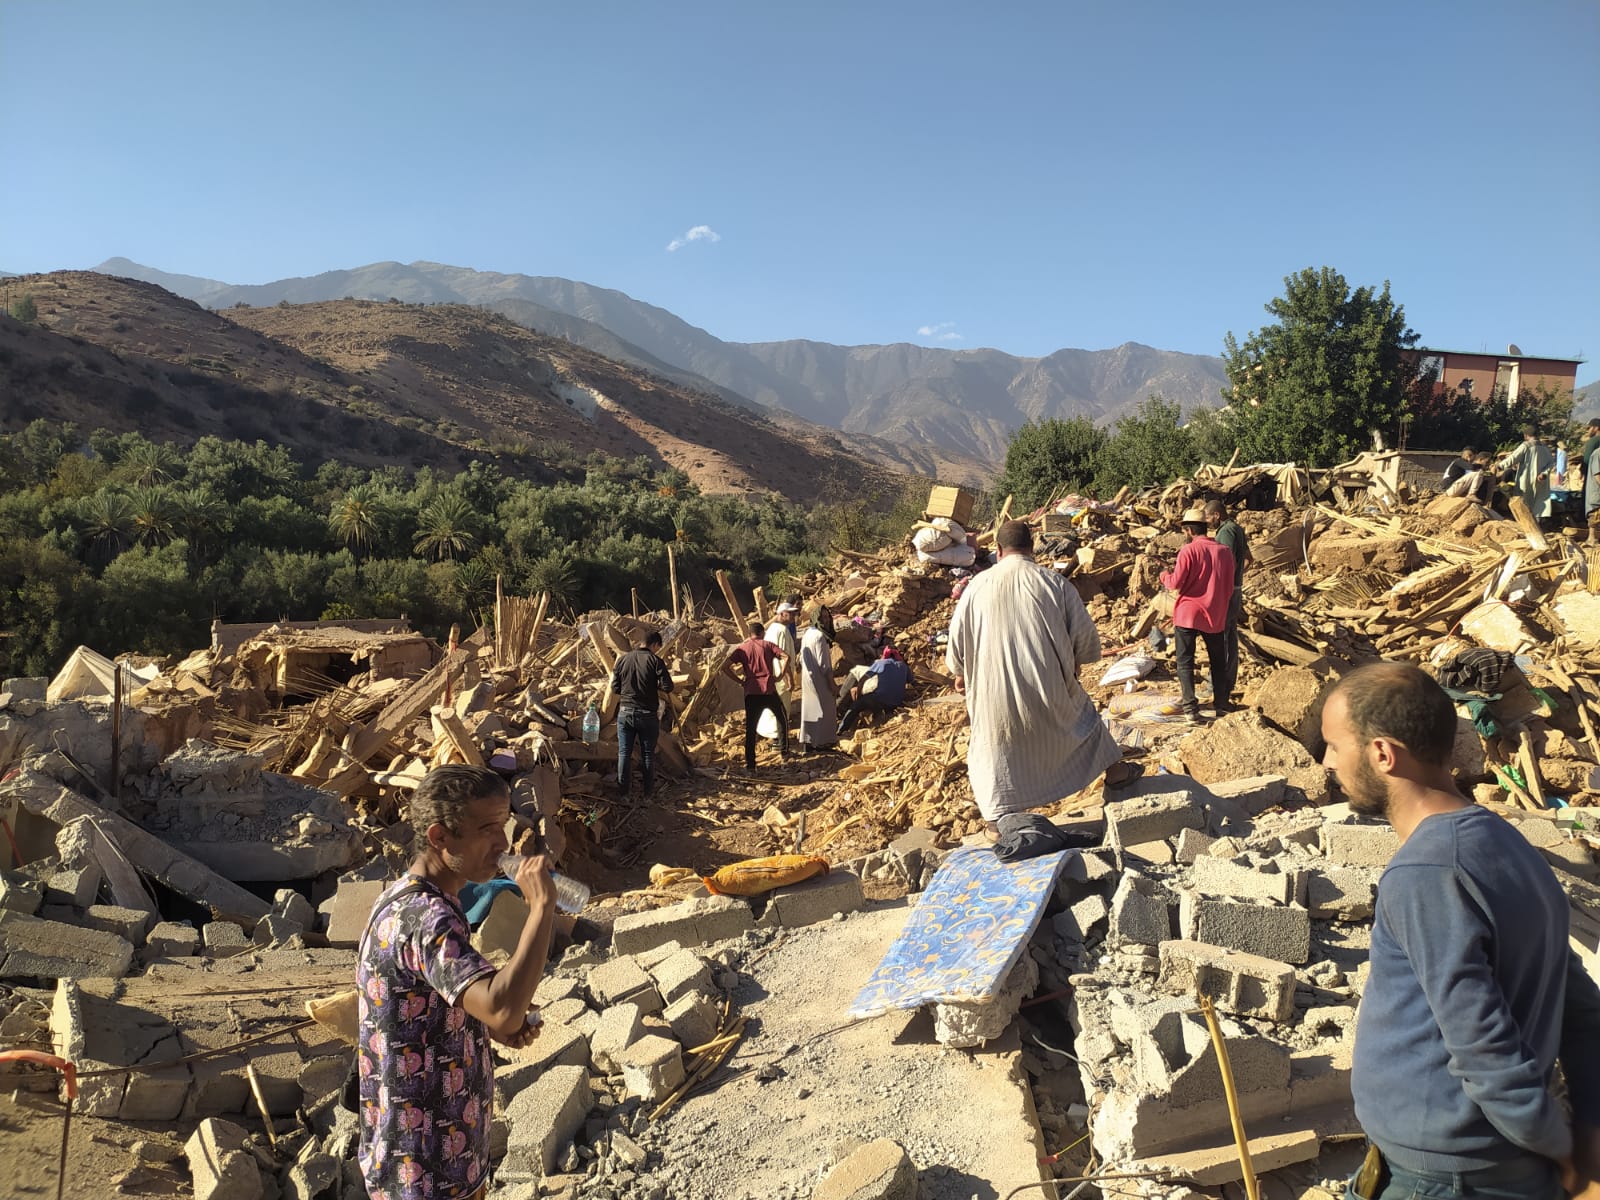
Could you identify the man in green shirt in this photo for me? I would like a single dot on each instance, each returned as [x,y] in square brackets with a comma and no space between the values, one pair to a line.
[1227,532]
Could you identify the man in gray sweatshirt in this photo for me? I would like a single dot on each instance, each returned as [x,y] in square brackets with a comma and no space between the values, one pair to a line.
[1473,993]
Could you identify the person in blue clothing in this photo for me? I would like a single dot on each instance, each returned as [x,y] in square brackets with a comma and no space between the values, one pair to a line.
[1473,994]
[881,687]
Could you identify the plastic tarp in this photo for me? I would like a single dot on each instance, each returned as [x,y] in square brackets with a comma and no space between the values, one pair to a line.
[90,675]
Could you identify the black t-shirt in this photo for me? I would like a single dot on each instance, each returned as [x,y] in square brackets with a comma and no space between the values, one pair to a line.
[639,678]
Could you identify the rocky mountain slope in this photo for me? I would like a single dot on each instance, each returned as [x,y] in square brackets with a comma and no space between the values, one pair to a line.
[373,382]
[946,407]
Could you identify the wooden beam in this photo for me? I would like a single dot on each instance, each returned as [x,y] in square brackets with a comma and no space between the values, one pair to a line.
[459,737]
[761,606]
[672,573]
[608,656]
[739,618]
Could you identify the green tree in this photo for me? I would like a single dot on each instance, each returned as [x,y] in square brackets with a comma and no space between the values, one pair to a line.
[358,518]
[154,516]
[1045,455]
[1312,387]
[107,522]
[24,309]
[1149,446]
[148,463]
[444,528]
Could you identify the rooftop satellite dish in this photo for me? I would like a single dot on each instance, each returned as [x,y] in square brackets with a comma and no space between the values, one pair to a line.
[1513,348]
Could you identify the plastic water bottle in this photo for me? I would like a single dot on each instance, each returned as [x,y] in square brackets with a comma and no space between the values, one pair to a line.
[571,894]
[591,725]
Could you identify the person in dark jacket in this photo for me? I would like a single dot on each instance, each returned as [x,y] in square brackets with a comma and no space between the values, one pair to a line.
[639,679]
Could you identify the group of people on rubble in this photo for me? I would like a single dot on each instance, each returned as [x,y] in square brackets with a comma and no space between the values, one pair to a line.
[1551,482]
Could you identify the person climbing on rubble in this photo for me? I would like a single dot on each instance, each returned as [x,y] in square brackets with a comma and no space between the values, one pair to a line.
[756,665]
[878,687]
[639,679]
[1531,463]
[430,1003]
[1203,580]
[1457,467]
[1473,993]
[780,632]
[819,718]
[1019,635]
[1227,532]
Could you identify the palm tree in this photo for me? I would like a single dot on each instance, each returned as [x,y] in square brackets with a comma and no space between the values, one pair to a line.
[555,573]
[444,528]
[473,583]
[153,516]
[197,515]
[149,463]
[108,521]
[358,518]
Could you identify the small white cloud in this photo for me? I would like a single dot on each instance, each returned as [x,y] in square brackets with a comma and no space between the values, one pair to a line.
[944,331]
[700,233]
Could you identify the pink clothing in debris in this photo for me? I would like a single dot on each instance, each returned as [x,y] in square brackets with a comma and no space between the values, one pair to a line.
[1203,579]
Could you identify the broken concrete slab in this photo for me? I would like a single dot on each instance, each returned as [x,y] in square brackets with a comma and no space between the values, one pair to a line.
[33,948]
[183,874]
[1141,913]
[349,910]
[1214,1166]
[697,921]
[1342,893]
[652,1068]
[544,1117]
[880,1170]
[1367,845]
[1242,745]
[1264,881]
[816,899]
[1246,984]
[1277,932]
[620,1026]
[221,1163]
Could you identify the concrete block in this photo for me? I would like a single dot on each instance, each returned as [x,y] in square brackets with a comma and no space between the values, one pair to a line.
[293,906]
[155,1095]
[76,887]
[1086,866]
[273,930]
[1277,932]
[1140,913]
[27,687]
[544,1117]
[1223,877]
[20,894]
[620,1026]
[224,939]
[622,979]
[1255,795]
[172,939]
[964,1024]
[1152,818]
[1192,844]
[1573,859]
[556,1046]
[1176,1061]
[1359,845]
[652,1067]
[814,900]
[1213,1166]
[656,955]
[1246,984]
[695,922]
[693,1018]
[129,924]
[323,1075]
[879,1170]
[1156,853]
[564,1012]
[1342,893]
[39,949]
[682,973]
[312,1174]
[350,909]
[220,1162]
[1082,920]
[556,987]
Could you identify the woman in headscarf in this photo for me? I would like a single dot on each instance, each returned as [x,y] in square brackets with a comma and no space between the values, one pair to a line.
[819,720]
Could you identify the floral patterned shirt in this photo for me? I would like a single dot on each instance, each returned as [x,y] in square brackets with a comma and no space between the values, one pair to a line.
[427,1080]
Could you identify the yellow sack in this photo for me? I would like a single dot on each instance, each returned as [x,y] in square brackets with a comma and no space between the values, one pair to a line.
[338,1013]
[754,876]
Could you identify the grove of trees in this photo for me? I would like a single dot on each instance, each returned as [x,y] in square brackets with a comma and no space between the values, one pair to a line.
[124,544]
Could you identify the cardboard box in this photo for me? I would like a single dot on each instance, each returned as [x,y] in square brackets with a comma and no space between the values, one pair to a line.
[953,502]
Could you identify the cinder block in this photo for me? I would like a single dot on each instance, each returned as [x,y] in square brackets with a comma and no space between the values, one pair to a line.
[652,1067]
[1213,1166]
[220,1162]
[1255,794]
[172,939]
[1246,984]
[652,958]
[1152,818]
[683,972]
[1140,913]
[556,1046]
[34,948]
[695,922]
[224,939]
[620,1026]
[814,900]
[128,924]
[20,894]
[1222,877]
[693,1018]
[1192,844]
[556,987]
[1081,920]
[564,1012]
[292,906]
[622,979]
[273,930]
[544,1117]
[1086,866]
[1342,893]
[1277,932]
[155,1095]
[1360,845]
[350,909]
[76,887]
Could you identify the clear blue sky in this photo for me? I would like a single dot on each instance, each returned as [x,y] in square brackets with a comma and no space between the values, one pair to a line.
[1031,177]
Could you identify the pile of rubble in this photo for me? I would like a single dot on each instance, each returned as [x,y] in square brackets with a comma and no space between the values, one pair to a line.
[193,859]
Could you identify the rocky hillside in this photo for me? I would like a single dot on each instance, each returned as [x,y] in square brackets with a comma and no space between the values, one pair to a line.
[372,382]
[950,411]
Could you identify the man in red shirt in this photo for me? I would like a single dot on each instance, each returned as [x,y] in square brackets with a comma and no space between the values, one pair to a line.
[1203,579]
[758,665]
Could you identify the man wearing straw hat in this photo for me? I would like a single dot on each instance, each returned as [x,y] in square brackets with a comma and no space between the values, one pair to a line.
[1203,580]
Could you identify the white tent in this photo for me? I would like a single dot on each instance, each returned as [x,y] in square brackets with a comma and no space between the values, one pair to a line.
[90,675]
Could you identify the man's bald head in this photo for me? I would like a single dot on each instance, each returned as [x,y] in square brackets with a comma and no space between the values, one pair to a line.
[1014,537]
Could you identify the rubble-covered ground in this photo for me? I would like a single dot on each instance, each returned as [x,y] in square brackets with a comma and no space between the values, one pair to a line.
[174,895]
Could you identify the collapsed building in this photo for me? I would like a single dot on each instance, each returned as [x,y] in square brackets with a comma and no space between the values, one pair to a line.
[194,849]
